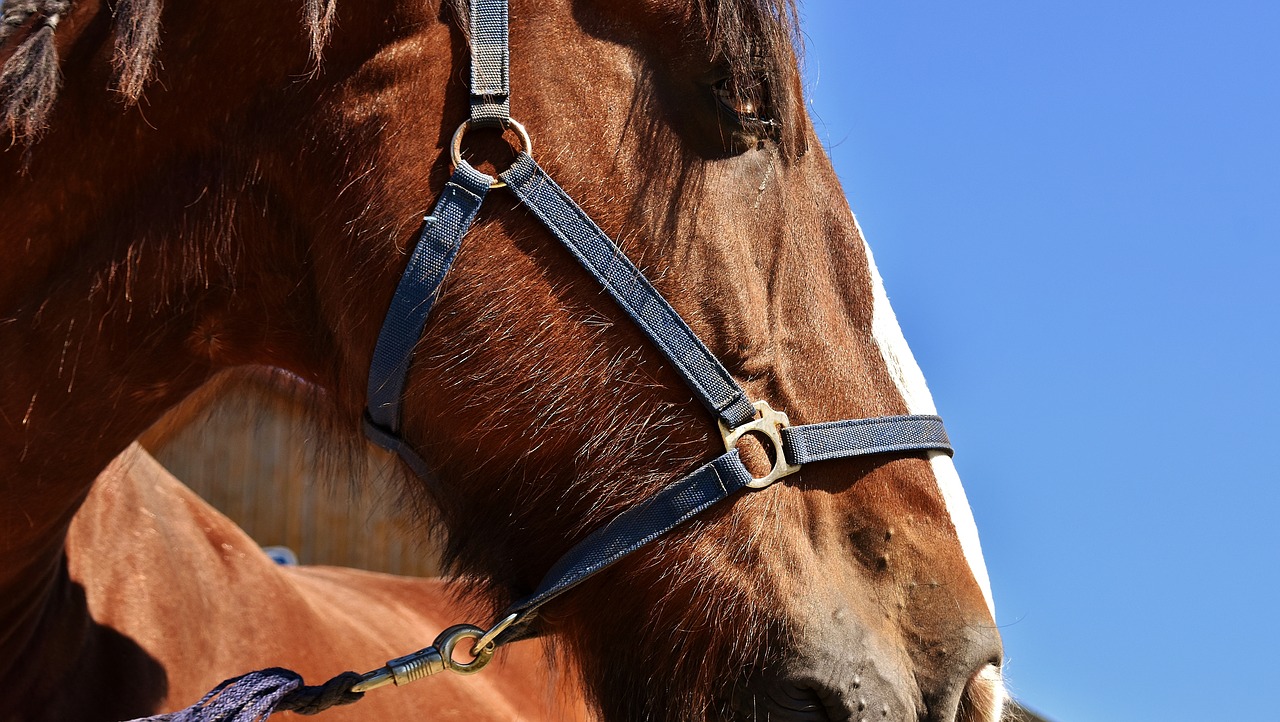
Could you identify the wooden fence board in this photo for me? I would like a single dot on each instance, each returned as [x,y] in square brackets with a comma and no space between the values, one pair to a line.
[242,444]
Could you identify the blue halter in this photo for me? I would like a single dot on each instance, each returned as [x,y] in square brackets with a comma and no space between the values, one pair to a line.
[256,695]
[437,247]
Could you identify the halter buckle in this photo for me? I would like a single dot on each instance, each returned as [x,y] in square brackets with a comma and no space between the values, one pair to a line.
[770,424]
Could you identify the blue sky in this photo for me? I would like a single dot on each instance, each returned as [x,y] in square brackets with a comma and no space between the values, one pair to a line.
[1076,209]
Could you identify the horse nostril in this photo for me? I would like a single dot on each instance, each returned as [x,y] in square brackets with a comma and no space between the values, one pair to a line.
[781,701]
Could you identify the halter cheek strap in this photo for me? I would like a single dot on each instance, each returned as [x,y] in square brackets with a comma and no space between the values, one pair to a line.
[490,73]
[438,242]
[711,383]
[707,378]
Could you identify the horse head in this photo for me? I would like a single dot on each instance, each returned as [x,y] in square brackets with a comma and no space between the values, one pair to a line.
[258,208]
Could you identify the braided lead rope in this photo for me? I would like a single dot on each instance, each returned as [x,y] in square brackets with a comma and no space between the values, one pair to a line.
[255,696]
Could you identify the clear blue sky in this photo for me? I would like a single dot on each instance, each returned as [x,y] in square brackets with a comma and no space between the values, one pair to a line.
[1076,209]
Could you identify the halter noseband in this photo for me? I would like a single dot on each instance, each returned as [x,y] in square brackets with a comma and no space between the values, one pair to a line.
[711,383]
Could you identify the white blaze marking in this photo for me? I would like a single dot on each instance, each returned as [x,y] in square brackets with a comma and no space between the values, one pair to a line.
[906,374]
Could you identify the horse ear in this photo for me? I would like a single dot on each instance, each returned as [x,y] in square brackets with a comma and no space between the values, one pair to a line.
[30,78]
[137,31]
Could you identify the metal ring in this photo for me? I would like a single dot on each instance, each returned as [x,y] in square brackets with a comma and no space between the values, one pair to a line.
[449,639]
[769,424]
[455,146]
[488,639]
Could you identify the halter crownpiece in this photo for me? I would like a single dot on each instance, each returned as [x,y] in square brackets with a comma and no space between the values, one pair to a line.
[717,390]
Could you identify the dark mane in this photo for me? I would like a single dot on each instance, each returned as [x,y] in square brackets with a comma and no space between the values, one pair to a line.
[745,33]
[31,77]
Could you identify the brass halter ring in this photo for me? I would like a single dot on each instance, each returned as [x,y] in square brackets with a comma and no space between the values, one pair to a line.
[455,146]
[450,637]
[487,642]
[769,424]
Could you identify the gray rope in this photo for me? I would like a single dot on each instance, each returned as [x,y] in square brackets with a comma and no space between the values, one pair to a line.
[255,696]
[313,700]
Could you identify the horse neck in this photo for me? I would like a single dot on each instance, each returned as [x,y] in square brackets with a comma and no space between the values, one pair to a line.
[144,263]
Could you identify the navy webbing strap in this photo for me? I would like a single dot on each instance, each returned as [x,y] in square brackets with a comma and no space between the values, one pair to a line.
[419,286]
[860,437]
[490,84]
[597,253]
[683,499]
[437,247]
[632,529]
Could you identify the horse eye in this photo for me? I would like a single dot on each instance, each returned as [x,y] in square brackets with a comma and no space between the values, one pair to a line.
[748,105]
[730,95]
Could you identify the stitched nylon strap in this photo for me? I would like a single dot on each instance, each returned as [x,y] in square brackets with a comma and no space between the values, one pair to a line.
[437,246]
[860,437]
[490,82]
[704,374]
[631,530]
[398,446]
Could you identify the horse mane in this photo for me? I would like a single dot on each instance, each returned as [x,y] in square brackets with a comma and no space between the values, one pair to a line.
[745,32]
[31,77]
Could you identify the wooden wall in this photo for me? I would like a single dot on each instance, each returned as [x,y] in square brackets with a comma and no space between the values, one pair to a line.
[242,444]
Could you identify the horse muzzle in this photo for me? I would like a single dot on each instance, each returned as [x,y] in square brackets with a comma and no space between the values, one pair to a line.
[849,685]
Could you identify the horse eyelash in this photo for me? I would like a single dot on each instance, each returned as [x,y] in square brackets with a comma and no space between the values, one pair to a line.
[758,115]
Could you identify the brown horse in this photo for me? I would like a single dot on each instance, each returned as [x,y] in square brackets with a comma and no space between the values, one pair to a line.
[188,192]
